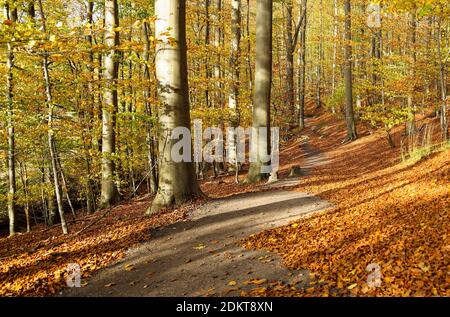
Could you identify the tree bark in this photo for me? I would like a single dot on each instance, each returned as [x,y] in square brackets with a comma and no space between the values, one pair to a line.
[219,103]
[90,199]
[177,183]
[289,42]
[443,85]
[411,123]
[234,69]
[263,85]
[335,35]
[302,64]
[348,76]
[320,59]
[148,110]
[11,14]
[249,49]
[110,194]
[207,59]
[51,138]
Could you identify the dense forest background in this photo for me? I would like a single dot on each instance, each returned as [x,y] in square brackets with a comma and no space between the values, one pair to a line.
[59,91]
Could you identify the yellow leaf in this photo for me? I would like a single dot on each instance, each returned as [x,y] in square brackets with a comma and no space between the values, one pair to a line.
[200,247]
[232,283]
[129,267]
[352,286]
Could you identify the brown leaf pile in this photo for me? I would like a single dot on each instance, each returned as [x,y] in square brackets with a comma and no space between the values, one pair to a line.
[389,213]
[35,264]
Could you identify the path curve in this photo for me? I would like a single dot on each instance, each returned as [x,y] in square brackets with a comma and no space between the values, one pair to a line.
[201,256]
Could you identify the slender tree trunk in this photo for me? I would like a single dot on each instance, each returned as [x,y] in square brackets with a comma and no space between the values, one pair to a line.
[320,59]
[148,110]
[376,52]
[216,42]
[50,199]
[177,182]
[263,85]
[234,69]
[24,179]
[89,115]
[335,36]
[411,123]
[302,65]
[207,59]
[11,14]
[348,76]
[249,50]
[31,10]
[443,85]
[289,42]
[65,187]
[110,194]
[51,137]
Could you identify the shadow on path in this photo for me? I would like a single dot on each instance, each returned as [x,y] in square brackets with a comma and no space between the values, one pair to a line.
[201,256]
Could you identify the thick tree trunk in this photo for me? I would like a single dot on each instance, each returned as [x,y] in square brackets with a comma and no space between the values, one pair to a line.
[177,183]
[11,14]
[302,64]
[348,76]
[263,85]
[110,194]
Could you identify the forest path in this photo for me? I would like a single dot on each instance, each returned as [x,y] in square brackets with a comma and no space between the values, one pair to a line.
[202,256]
[313,157]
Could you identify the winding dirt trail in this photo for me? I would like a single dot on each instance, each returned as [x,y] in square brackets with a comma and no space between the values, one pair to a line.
[202,256]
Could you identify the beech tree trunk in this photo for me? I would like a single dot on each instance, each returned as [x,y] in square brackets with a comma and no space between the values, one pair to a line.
[348,76]
[442,85]
[110,194]
[335,36]
[216,42]
[234,68]
[320,59]
[411,123]
[263,85]
[51,137]
[177,182]
[11,14]
[289,42]
[302,64]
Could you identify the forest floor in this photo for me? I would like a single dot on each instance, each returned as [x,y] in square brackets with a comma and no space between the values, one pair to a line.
[385,211]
